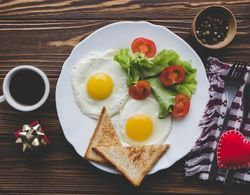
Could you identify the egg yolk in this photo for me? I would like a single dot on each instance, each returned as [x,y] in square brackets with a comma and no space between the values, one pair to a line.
[100,86]
[139,127]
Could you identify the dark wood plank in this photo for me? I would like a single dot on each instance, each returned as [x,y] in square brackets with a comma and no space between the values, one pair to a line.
[48,43]
[43,33]
[116,9]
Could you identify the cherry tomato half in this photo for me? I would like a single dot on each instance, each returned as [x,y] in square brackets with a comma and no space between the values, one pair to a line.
[172,75]
[145,46]
[140,90]
[181,107]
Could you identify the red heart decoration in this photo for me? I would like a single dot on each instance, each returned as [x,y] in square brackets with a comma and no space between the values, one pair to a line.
[233,151]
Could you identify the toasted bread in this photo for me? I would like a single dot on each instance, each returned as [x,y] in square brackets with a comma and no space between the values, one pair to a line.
[133,161]
[104,135]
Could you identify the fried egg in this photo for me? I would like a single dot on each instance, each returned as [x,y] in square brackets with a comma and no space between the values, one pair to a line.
[138,123]
[99,81]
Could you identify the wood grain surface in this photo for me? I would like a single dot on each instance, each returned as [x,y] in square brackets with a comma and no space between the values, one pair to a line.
[43,33]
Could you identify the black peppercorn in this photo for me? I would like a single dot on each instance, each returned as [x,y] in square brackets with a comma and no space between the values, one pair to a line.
[211,29]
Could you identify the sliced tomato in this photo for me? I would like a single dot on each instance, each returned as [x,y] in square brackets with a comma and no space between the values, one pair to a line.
[145,46]
[172,75]
[181,107]
[140,90]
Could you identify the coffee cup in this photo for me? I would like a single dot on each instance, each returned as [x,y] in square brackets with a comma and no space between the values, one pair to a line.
[25,88]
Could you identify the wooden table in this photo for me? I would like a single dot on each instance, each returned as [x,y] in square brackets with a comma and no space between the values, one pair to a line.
[43,33]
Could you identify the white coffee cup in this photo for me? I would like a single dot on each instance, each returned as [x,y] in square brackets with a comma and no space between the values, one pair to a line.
[11,101]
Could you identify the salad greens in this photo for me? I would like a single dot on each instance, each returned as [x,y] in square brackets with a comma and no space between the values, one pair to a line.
[137,67]
[188,86]
[164,96]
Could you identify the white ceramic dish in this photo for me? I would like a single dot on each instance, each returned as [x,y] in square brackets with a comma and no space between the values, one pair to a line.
[79,128]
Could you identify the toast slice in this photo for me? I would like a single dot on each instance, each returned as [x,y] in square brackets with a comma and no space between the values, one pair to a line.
[104,135]
[133,161]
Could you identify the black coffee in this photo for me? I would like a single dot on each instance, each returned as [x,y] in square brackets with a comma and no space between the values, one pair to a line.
[27,87]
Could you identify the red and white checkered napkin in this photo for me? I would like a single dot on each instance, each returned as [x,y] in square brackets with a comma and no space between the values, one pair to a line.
[199,159]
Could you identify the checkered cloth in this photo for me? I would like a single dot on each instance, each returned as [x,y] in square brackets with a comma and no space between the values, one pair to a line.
[199,159]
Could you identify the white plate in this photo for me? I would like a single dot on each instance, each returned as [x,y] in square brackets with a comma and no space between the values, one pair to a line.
[78,128]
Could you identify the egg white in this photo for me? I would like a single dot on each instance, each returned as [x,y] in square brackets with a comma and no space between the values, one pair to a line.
[150,107]
[94,63]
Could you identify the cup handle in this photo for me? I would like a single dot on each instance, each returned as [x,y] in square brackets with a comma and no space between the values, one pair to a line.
[2,98]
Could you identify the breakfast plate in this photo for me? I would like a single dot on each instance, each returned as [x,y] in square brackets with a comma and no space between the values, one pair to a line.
[78,128]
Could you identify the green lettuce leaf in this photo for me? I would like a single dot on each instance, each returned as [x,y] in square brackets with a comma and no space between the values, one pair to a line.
[164,96]
[141,60]
[124,58]
[183,90]
[162,60]
[133,77]
[188,87]
[165,57]
[187,65]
